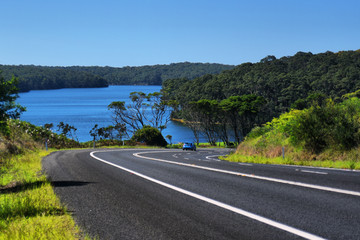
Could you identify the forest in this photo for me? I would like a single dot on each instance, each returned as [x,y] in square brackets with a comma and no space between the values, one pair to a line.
[154,74]
[281,82]
[41,77]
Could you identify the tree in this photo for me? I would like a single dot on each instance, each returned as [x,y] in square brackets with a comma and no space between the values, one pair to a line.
[8,107]
[191,122]
[160,110]
[240,112]
[94,132]
[170,138]
[144,109]
[205,114]
[67,130]
[149,135]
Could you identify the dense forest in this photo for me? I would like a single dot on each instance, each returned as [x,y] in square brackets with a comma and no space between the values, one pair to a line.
[155,74]
[40,77]
[282,82]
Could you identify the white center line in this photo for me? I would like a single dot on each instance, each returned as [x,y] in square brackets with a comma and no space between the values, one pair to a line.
[217,203]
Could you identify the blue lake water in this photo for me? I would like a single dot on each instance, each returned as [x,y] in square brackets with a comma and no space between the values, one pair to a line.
[85,107]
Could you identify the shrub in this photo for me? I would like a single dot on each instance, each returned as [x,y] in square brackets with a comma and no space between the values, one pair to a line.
[330,125]
[149,135]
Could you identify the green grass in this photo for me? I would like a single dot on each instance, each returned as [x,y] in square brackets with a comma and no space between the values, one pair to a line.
[29,209]
[347,164]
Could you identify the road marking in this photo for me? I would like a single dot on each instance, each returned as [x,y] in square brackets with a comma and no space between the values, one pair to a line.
[329,189]
[211,157]
[321,168]
[308,171]
[245,164]
[216,203]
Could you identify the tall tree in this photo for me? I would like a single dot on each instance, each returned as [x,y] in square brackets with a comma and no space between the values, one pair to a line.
[144,109]
[206,115]
[8,107]
[241,112]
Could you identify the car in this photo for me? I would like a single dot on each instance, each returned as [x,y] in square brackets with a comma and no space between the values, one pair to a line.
[189,146]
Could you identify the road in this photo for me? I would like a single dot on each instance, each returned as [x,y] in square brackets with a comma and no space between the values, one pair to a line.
[175,194]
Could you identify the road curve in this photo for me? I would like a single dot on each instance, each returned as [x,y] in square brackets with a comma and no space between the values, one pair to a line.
[175,194]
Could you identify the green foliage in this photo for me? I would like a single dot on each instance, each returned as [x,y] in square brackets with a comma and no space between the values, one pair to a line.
[8,107]
[39,77]
[67,130]
[216,119]
[110,132]
[29,208]
[144,109]
[318,128]
[150,136]
[280,81]
[331,125]
[169,137]
[153,75]
[24,136]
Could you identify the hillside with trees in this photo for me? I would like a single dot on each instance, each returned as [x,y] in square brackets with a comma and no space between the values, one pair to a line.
[155,74]
[282,82]
[40,77]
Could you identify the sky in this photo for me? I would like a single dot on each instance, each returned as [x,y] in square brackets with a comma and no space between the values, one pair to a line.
[121,33]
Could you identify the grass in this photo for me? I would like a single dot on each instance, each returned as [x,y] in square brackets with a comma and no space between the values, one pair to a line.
[340,164]
[29,209]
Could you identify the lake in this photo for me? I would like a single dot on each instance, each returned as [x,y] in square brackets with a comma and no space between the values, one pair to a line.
[85,107]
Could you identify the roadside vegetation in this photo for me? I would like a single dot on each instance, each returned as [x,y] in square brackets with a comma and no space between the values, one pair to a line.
[325,134]
[29,208]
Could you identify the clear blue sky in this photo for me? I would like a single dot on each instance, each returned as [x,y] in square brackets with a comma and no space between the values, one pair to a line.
[148,32]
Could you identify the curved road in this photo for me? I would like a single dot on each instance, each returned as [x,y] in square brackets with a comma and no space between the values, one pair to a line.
[175,194]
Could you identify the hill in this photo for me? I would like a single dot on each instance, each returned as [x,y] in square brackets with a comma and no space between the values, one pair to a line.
[280,81]
[155,74]
[40,77]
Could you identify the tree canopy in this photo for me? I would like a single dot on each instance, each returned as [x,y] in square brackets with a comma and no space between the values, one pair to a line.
[8,107]
[40,77]
[280,81]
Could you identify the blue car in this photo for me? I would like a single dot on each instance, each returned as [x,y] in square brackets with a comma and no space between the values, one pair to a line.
[189,146]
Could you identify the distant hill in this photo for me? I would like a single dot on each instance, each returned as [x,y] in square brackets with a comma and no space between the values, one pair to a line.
[40,77]
[155,74]
[281,81]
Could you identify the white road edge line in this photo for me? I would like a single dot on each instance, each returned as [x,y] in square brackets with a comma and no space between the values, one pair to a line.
[329,189]
[308,171]
[211,158]
[245,164]
[216,203]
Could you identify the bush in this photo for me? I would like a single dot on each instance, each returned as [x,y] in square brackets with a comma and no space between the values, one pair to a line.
[150,136]
[331,125]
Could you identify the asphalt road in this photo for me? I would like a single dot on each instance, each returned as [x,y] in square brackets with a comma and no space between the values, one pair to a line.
[175,194]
